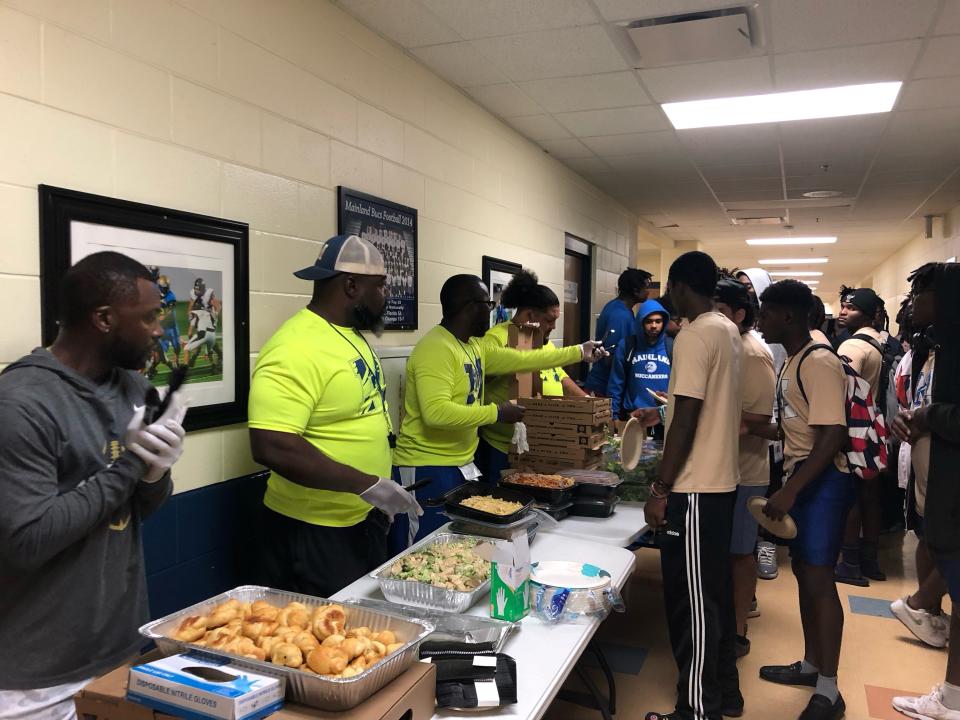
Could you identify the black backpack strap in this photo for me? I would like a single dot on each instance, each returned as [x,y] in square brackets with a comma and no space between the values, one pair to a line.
[870,341]
[803,357]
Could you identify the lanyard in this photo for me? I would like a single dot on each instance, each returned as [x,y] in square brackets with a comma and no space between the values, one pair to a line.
[375,376]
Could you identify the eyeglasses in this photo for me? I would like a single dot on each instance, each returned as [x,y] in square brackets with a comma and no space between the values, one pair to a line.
[491,304]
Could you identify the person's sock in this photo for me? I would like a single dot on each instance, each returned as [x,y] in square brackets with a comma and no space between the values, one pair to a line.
[950,696]
[806,667]
[851,555]
[827,686]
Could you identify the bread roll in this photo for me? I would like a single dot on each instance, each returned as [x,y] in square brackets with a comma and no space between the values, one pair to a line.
[255,629]
[350,671]
[327,661]
[387,637]
[359,632]
[287,654]
[393,647]
[224,613]
[264,610]
[306,641]
[328,620]
[295,615]
[332,641]
[192,628]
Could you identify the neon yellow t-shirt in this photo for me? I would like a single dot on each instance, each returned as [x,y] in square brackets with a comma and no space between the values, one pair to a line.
[444,402]
[324,383]
[497,390]
[552,381]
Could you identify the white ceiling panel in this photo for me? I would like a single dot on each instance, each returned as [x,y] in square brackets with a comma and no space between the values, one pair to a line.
[539,127]
[588,165]
[633,143]
[747,76]
[567,148]
[405,21]
[473,19]
[811,24]
[553,53]
[615,121]
[940,59]
[841,128]
[737,136]
[942,120]
[506,100]
[587,92]
[845,66]
[733,172]
[847,184]
[460,63]
[930,93]
[948,22]
[634,10]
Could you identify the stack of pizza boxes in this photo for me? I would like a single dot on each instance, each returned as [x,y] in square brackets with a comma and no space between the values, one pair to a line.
[563,433]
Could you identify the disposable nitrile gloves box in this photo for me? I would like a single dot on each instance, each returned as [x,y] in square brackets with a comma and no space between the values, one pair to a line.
[202,686]
[510,577]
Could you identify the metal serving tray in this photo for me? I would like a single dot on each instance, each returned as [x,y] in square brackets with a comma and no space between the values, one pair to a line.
[421,594]
[302,687]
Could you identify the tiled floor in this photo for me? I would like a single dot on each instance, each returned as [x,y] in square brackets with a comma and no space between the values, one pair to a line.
[880,657]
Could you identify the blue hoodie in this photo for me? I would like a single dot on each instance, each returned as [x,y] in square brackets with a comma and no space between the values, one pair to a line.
[649,365]
[613,326]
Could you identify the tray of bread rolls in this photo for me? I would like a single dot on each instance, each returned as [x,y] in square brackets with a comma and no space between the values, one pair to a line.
[333,655]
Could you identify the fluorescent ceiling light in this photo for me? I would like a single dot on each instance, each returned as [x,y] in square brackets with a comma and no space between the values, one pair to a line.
[826,240]
[811,283]
[793,261]
[782,107]
[797,273]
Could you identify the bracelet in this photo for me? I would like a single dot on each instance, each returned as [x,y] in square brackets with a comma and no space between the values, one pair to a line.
[659,491]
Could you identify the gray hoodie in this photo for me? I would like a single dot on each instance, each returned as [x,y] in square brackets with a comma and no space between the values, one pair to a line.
[72,584]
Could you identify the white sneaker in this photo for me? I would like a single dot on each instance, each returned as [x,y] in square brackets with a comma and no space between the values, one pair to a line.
[767,561]
[928,628]
[927,707]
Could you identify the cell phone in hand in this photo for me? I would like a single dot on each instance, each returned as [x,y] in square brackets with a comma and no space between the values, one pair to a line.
[157,407]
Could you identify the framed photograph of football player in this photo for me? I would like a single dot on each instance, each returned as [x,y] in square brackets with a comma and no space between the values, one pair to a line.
[199,265]
[392,228]
[496,275]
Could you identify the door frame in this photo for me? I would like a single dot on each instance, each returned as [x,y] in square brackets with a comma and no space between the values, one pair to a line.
[578,247]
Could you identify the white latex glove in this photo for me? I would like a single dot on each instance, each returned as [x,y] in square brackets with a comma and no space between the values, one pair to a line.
[160,444]
[593,350]
[391,498]
[520,438]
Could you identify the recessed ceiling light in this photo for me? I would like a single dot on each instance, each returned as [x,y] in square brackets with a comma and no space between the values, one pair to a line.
[826,240]
[797,273]
[811,283]
[783,107]
[823,193]
[793,261]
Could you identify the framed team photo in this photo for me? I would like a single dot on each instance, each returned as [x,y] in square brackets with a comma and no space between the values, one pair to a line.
[497,274]
[199,265]
[392,228]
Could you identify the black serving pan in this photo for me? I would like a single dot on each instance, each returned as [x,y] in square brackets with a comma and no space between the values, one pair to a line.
[548,496]
[593,507]
[452,499]
[557,512]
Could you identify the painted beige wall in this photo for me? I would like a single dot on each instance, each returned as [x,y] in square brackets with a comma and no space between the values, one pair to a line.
[889,278]
[256,111]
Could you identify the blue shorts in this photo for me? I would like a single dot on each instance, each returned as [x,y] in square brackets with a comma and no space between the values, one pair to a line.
[490,461]
[407,530]
[949,566]
[821,516]
[743,538]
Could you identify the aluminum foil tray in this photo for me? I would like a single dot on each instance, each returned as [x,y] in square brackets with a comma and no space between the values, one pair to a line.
[303,687]
[421,594]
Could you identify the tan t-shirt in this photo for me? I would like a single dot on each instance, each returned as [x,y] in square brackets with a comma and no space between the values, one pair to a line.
[706,366]
[819,338]
[826,386]
[864,358]
[920,447]
[758,385]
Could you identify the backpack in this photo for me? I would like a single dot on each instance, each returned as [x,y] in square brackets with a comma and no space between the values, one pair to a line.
[890,358]
[866,448]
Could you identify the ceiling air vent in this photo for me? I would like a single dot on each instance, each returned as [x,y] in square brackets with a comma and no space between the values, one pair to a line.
[757,220]
[724,34]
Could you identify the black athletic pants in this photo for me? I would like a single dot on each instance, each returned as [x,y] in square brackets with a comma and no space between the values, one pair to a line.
[698,594]
[319,560]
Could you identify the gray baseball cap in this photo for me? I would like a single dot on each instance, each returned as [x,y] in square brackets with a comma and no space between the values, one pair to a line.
[344,254]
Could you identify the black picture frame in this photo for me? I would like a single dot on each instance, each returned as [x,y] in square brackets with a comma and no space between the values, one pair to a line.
[496,273]
[393,229]
[73,224]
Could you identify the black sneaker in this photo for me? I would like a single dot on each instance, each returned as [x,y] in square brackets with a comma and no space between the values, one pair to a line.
[849,575]
[733,707]
[788,675]
[820,708]
[742,646]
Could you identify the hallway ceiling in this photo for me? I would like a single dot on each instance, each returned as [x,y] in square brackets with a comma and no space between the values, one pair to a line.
[558,72]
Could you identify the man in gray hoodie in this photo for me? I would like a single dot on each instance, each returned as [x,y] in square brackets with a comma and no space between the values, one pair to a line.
[79,470]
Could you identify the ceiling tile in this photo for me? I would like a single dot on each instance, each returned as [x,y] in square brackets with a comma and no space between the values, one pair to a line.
[747,76]
[842,128]
[616,121]
[567,148]
[404,21]
[587,92]
[459,63]
[505,100]
[735,136]
[814,24]
[632,143]
[845,66]
[901,177]
[553,53]
[925,122]
[732,194]
[847,184]
[940,59]
[748,185]
[948,23]
[539,127]
[474,19]
[930,93]
[666,167]
[734,172]
[633,10]
[588,166]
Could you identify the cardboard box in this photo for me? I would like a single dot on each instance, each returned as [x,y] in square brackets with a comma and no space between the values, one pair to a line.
[411,696]
[201,685]
[509,576]
[590,405]
[526,337]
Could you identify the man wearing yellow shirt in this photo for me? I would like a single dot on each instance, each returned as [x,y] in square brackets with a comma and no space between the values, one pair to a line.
[445,401]
[534,303]
[318,420]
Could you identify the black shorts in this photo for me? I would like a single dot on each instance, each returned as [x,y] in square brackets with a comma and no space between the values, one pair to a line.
[317,559]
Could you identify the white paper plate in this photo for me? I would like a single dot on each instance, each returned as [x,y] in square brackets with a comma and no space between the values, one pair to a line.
[631,444]
[566,574]
[785,528]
